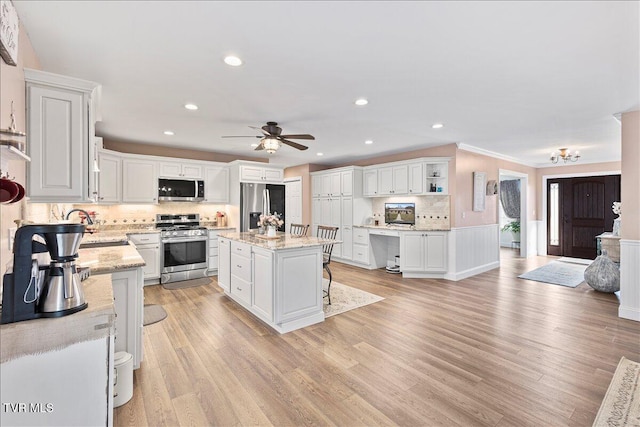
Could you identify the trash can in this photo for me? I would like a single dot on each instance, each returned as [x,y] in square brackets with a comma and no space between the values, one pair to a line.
[123,378]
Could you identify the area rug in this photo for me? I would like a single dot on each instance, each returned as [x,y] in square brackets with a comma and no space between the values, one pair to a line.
[153,313]
[345,298]
[575,260]
[186,284]
[558,273]
[621,404]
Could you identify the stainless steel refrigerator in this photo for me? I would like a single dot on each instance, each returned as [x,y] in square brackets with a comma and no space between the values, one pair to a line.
[256,199]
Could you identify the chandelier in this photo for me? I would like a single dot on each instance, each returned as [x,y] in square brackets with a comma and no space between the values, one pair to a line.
[270,144]
[565,155]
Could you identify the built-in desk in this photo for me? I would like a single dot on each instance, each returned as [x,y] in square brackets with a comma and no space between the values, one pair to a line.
[422,252]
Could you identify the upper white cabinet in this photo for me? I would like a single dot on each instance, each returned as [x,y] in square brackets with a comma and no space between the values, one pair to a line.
[61,114]
[109,178]
[346,183]
[422,176]
[250,173]
[139,181]
[216,184]
[370,183]
[180,170]
[393,180]
[416,178]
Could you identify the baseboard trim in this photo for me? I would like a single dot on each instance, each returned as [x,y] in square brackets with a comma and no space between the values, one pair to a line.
[629,313]
[460,275]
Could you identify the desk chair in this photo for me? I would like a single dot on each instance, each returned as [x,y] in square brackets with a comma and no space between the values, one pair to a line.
[325,232]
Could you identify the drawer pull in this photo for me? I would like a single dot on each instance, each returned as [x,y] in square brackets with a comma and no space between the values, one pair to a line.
[238,265]
[239,289]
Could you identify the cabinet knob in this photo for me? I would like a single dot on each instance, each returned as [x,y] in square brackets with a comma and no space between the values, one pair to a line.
[239,266]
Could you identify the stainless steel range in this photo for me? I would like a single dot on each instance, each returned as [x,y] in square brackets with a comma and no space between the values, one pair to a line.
[185,247]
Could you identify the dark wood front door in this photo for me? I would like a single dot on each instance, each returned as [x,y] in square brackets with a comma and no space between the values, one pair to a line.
[579,209]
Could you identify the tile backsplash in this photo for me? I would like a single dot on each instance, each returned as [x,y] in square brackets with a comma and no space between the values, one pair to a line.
[120,215]
[431,211]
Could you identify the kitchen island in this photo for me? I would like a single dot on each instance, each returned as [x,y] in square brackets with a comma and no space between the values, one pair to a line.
[279,280]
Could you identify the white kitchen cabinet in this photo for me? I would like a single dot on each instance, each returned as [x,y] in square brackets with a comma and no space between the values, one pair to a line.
[335,184]
[346,228]
[250,173]
[148,246]
[224,263]
[180,170]
[393,181]
[213,252]
[216,184]
[423,251]
[139,181]
[416,178]
[109,178]
[129,302]
[262,301]
[361,245]
[60,131]
[241,272]
[346,183]
[370,183]
[316,185]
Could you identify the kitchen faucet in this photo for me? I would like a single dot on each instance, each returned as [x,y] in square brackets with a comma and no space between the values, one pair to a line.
[86,214]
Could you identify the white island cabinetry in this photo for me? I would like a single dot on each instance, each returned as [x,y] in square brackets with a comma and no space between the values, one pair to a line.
[278,281]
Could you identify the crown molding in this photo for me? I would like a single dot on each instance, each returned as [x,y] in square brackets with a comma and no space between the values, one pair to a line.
[477,150]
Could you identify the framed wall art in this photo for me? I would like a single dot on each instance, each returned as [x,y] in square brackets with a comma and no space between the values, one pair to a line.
[479,190]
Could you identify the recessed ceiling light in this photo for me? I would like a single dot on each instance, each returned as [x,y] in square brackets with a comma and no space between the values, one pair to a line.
[368,142]
[319,154]
[169,132]
[437,125]
[361,101]
[254,145]
[191,106]
[234,61]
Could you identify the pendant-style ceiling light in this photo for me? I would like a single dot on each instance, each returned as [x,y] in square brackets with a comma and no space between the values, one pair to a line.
[565,155]
[271,145]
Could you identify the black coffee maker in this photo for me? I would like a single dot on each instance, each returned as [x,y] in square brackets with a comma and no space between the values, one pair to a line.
[33,290]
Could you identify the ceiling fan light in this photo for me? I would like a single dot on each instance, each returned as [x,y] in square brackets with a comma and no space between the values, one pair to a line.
[271,145]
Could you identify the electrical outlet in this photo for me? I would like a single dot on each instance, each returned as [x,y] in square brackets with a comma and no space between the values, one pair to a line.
[12,237]
[464,215]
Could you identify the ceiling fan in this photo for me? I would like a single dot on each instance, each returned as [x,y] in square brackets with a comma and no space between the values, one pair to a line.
[272,137]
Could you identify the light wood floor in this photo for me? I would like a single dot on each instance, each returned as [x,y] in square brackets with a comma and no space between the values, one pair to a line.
[490,350]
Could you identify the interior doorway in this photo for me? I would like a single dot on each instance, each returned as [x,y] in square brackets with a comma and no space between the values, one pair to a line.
[578,210]
[293,201]
[512,209]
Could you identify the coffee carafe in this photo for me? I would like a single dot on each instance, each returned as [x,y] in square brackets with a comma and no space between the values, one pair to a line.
[33,290]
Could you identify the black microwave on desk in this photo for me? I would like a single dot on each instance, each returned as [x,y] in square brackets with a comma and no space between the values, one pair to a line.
[180,190]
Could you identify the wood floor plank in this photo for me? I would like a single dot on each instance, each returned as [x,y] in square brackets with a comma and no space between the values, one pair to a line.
[490,350]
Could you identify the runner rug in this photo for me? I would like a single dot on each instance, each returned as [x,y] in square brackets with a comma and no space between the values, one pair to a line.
[621,404]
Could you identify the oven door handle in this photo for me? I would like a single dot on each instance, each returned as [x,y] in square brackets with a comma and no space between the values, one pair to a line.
[186,239]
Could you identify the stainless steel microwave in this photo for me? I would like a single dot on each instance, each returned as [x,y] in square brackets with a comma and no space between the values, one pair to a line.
[180,190]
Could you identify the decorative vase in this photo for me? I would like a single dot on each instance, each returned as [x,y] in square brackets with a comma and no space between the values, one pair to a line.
[616,226]
[603,274]
[271,231]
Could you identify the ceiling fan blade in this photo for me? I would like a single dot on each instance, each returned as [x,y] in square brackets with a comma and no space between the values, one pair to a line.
[261,130]
[259,147]
[242,136]
[293,144]
[301,136]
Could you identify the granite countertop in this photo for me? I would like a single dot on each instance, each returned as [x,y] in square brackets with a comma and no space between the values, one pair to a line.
[110,259]
[405,228]
[48,334]
[285,241]
[215,227]
[115,236]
